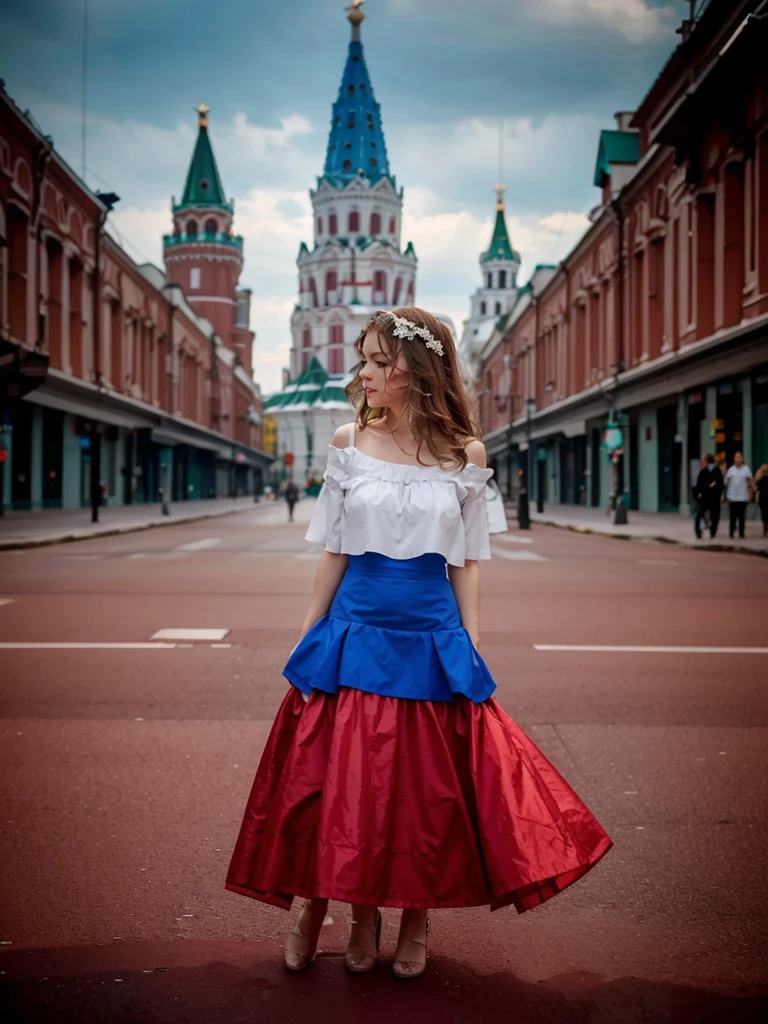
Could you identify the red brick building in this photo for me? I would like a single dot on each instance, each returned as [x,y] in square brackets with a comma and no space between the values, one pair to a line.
[658,318]
[103,359]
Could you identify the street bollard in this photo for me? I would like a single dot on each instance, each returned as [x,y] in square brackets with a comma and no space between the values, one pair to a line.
[523,511]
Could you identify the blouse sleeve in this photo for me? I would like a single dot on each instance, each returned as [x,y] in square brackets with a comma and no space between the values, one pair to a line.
[474,513]
[325,524]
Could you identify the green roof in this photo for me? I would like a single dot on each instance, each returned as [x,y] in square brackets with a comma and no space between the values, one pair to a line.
[500,248]
[615,148]
[313,386]
[203,185]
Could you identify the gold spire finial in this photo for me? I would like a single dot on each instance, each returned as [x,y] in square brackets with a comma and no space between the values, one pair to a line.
[202,112]
[499,197]
[355,17]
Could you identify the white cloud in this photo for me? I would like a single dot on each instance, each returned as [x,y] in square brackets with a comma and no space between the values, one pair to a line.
[635,20]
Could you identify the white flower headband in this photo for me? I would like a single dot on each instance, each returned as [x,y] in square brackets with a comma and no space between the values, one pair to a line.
[407,329]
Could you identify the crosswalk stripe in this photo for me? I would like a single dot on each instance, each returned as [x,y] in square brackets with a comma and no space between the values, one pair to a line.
[636,649]
[200,545]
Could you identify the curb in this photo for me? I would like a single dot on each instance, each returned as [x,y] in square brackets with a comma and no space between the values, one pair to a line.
[718,546]
[112,531]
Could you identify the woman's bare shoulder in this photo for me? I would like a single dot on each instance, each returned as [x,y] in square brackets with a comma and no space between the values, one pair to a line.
[340,438]
[475,450]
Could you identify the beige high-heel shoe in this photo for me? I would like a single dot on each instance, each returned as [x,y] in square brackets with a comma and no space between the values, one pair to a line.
[300,949]
[361,963]
[407,970]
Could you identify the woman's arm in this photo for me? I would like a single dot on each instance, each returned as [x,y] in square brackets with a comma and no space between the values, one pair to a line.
[465,579]
[327,579]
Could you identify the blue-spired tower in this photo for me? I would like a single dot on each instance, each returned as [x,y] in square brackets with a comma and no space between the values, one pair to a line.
[355,263]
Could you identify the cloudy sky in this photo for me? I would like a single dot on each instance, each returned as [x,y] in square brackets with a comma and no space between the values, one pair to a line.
[447,73]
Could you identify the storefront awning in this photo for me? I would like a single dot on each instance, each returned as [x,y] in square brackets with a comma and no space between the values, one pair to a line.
[97,411]
[171,436]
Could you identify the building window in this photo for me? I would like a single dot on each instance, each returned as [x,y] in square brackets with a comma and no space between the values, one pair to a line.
[354,221]
[498,308]
[398,289]
[502,279]
[211,227]
[192,227]
[319,225]
[489,281]
[331,288]
[306,338]
[375,223]
[392,225]
[312,291]
[483,309]
[194,277]
[347,165]
[336,348]
[379,286]
[333,225]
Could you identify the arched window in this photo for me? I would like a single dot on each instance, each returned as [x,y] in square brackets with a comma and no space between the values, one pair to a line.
[347,165]
[333,225]
[483,309]
[211,227]
[312,287]
[411,291]
[502,279]
[498,309]
[375,223]
[354,221]
[319,225]
[392,225]
[336,348]
[490,281]
[191,227]
[331,287]
[306,338]
[379,286]
[398,289]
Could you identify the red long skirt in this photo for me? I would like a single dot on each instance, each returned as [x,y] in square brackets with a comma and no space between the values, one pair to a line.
[394,802]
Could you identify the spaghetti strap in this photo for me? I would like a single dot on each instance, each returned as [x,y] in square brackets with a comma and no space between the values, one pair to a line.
[352,434]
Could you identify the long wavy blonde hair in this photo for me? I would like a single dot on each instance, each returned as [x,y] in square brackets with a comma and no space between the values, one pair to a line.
[438,407]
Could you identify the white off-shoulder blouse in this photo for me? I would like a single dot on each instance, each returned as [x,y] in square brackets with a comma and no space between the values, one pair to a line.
[400,510]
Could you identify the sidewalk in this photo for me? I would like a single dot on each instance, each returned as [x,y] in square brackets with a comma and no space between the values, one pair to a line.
[55,526]
[661,527]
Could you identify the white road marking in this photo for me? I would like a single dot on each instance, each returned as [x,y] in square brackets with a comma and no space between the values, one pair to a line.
[512,538]
[75,646]
[6,600]
[520,556]
[211,635]
[200,545]
[655,561]
[79,558]
[650,650]
[138,554]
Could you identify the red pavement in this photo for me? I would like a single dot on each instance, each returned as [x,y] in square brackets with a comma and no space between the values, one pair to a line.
[125,772]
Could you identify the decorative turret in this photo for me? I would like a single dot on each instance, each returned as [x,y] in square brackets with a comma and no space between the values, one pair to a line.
[356,146]
[202,255]
[499,265]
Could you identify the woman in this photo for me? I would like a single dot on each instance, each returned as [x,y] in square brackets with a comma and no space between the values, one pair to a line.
[391,776]
[761,486]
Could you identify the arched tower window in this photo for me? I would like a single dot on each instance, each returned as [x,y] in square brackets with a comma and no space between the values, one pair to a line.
[319,225]
[483,308]
[502,279]
[375,223]
[489,281]
[392,225]
[331,287]
[498,309]
[312,287]
[398,289]
[333,225]
[379,286]
[191,227]
[336,348]
[211,227]
[354,221]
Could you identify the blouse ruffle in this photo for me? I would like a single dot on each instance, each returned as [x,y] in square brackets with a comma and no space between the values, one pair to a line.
[402,511]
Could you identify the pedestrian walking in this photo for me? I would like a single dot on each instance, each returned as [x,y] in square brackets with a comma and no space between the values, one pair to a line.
[291,497]
[739,488]
[391,776]
[708,495]
[761,483]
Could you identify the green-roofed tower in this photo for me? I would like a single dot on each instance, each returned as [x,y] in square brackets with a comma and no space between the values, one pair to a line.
[499,265]
[202,255]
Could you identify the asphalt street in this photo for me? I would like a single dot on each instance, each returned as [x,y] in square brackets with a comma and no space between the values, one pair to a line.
[127,754]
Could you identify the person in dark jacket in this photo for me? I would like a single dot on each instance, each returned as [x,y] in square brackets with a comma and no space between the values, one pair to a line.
[708,494]
[291,496]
